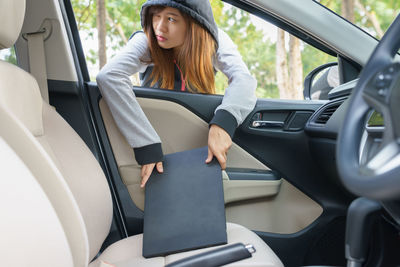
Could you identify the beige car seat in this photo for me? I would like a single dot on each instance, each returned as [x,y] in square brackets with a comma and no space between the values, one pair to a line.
[70,178]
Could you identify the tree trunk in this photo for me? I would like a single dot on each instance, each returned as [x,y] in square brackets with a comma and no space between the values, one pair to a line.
[101,31]
[295,69]
[282,76]
[348,10]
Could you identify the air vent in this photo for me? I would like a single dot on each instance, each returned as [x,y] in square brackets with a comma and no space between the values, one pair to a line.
[326,113]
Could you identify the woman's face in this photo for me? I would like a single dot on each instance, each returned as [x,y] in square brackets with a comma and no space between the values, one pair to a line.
[169,27]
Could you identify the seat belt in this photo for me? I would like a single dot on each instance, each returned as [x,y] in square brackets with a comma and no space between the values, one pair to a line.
[37,61]
[37,56]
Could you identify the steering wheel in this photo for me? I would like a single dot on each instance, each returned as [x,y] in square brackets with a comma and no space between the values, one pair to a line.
[377,89]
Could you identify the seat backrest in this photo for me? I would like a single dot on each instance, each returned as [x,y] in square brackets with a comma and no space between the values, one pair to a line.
[28,215]
[62,146]
[33,230]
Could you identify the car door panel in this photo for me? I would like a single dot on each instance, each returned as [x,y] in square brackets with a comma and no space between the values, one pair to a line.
[252,191]
[286,212]
[179,130]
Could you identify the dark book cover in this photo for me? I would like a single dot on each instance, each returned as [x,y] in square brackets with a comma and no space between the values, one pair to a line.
[184,205]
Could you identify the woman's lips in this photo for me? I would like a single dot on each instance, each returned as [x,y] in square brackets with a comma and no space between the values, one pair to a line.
[161,38]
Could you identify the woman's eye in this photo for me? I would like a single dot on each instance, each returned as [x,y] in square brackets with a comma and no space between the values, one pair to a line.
[171,19]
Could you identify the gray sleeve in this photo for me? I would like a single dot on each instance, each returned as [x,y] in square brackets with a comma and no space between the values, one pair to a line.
[239,99]
[116,88]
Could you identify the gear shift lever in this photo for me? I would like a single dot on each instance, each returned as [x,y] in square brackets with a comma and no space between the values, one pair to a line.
[361,216]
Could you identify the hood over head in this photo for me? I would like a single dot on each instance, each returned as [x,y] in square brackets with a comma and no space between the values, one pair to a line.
[199,10]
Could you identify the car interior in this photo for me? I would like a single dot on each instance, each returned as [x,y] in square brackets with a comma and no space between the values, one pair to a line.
[312,183]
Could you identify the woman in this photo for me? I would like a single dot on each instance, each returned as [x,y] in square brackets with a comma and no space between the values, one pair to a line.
[179,50]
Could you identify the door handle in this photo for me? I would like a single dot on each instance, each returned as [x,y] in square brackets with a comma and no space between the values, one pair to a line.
[267,124]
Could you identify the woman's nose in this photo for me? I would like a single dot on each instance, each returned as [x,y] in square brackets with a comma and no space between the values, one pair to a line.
[161,25]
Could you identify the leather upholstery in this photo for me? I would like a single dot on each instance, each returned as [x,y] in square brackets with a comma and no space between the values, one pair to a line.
[83,175]
[28,109]
[128,252]
[25,207]
[20,96]
[12,14]
[57,192]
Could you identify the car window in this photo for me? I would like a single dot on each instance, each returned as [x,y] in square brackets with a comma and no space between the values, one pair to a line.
[276,59]
[121,19]
[8,55]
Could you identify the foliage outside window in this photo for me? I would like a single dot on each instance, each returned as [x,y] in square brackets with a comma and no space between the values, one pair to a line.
[372,16]
[266,50]
[9,55]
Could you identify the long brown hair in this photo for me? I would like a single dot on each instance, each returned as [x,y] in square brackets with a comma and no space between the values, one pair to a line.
[194,57]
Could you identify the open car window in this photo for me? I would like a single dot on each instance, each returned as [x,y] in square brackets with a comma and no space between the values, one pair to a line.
[279,61]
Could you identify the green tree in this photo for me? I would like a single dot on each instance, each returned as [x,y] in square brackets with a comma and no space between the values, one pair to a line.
[122,19]
[373,16]
[9,55]
[257,51]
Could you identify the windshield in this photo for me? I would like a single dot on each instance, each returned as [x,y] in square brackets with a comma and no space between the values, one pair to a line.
[372,16]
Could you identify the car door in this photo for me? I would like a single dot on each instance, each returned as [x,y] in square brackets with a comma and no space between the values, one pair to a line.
[274,184]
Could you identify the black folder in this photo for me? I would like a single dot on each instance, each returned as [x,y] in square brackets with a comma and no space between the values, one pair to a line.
[184,206]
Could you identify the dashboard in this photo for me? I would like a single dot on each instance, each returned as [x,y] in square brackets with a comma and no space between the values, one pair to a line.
[323,127]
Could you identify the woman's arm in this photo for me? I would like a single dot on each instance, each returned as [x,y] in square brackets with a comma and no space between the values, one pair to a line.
[239,99]
[116,88]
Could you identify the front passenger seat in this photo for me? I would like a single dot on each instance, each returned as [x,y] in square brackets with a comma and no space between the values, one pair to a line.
[78,189]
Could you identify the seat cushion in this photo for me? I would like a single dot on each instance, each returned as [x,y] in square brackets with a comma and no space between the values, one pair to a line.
[128,252]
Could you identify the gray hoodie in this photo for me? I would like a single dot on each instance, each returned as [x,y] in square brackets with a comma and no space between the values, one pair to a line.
[116,87]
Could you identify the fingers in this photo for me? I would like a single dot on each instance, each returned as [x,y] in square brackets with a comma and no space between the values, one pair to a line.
[210,156]
[159,167]
[221,157]
[144,180]
[147,169]
[146,172]
[219,143]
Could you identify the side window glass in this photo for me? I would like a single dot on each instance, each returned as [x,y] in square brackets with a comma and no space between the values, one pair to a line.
[9,55]
[102,41]
[279,61]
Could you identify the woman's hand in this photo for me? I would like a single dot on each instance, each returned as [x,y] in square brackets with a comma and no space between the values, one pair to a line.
[147,169]
[219,143]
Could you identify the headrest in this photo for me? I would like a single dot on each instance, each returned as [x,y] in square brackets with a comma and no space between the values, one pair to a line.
[20,95]
[12,13]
